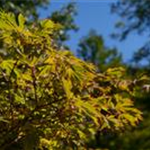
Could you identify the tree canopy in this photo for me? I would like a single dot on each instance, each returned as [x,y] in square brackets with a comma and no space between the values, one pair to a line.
[27,7]
[92,49]
[134,17]
[49,98]
[65,17]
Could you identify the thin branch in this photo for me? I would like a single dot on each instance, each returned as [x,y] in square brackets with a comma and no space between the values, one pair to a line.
[34,83]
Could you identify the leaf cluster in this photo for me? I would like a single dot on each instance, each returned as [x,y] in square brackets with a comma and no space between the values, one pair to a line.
[50,99]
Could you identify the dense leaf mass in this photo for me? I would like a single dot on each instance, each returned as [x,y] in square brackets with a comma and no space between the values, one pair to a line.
[49,99]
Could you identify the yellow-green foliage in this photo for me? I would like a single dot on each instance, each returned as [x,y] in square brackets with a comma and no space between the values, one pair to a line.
[49,99]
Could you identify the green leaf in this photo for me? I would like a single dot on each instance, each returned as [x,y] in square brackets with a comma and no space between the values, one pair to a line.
[3,120]
[67,87]
[47,24]
[21,20]
[19,99]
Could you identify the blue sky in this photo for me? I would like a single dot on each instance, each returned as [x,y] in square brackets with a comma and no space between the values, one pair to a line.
[95,14]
